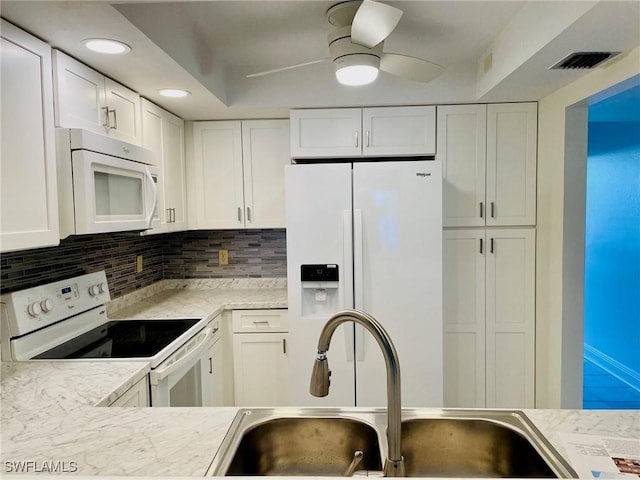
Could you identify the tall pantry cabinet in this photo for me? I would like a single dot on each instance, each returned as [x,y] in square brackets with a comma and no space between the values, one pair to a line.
[488,154]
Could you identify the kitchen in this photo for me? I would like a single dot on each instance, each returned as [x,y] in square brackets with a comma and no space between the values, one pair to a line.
[154,250]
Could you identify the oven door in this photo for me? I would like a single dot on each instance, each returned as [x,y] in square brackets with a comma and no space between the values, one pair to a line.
[111,194]
[183,379]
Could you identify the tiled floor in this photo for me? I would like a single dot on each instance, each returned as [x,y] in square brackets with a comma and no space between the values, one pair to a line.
[604,391]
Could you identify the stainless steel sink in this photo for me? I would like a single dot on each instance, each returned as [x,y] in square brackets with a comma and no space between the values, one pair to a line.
[434,443]
[296,444]
[447,447]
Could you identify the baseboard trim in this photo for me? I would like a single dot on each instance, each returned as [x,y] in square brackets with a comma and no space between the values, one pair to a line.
[612,366]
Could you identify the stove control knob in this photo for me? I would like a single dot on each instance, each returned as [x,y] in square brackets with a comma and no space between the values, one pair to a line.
[102,287]
[94,290]
[46,305]
[34,309]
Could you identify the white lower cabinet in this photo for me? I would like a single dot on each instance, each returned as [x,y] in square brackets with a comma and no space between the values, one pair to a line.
[136,396]
[220,361]
[489,318]
[260,365]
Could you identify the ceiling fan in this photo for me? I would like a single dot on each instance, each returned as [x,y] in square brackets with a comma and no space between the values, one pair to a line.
[356,45]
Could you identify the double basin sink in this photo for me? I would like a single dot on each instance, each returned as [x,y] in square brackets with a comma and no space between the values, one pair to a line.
[434,443]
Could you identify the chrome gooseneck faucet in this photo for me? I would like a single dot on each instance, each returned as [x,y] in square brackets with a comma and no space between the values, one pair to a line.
[394,464]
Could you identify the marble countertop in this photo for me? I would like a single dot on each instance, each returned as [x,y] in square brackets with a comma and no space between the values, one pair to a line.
[50,413]
[200,298]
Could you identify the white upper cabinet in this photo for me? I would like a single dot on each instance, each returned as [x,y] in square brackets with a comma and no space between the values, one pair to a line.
[238,174]
[163,133]
[512,138]
[87,99]
[28,193]
[488,153]
[356,132]
[462,140]
[402,131]
[335,132]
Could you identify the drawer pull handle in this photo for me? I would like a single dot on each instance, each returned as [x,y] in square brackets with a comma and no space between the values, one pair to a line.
[261,322]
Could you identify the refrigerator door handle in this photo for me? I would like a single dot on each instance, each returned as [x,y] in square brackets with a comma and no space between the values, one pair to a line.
[347,287]
[358,268]
[358,272]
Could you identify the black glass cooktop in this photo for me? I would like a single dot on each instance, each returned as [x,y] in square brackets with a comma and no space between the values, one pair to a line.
[122,339]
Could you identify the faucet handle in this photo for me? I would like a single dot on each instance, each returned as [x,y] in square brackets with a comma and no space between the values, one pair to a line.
[357,459]
[320,376]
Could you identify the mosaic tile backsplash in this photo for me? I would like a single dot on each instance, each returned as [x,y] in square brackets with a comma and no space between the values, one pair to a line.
[191,254]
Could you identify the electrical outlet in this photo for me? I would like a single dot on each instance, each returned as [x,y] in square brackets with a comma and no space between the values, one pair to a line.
[139,263]
[223,257]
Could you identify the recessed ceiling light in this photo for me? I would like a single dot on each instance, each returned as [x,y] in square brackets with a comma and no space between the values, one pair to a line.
[174,92]
[105,45]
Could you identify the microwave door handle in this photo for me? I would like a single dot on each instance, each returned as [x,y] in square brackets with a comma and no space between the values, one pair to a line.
[154,191]
[156,376]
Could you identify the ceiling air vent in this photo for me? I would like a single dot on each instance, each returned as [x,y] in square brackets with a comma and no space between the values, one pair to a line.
[579,60]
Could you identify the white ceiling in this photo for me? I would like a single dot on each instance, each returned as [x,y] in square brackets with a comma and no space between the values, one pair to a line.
[207,47]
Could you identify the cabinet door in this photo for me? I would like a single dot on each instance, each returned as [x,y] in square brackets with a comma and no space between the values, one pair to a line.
[464,317]
[152,138]
[175,193]
[136,396]
[462,132]
[265,153]
[79,95]
[510,318]
[124,112]
[326,133]
[28,193]
[399,131]
[216,369]
[163,133]
[511,164]
[261,369]
[218,178]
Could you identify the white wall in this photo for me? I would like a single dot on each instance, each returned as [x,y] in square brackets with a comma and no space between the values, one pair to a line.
[560,240]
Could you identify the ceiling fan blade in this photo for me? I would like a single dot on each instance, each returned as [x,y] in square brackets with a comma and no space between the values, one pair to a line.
[409,67]
[275,70]
[373,22]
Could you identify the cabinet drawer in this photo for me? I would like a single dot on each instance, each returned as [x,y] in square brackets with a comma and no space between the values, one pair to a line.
[272,320]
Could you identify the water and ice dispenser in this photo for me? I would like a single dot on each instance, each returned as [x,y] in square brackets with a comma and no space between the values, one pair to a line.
[320,292]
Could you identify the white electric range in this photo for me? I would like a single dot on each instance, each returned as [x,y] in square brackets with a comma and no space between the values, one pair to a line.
[67,320]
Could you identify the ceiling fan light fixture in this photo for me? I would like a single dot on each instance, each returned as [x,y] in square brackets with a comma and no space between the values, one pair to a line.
[357,70]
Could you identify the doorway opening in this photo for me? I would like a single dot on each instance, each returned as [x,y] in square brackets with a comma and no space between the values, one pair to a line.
[611,370]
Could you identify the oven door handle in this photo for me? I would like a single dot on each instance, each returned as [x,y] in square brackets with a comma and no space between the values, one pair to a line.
[156,376]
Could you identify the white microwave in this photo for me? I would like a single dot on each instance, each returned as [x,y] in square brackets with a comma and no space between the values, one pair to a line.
[104,184]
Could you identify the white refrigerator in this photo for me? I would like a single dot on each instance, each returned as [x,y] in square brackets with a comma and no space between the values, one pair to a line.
[366,235]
